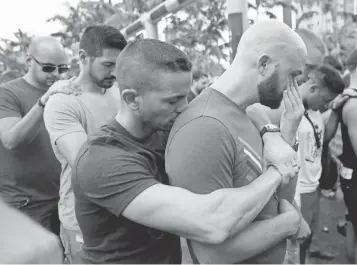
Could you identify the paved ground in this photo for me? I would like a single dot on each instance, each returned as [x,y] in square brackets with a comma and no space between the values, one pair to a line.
[332,242]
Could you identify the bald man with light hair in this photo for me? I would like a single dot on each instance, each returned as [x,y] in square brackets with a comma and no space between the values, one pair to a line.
[29,174]
[315,52]
[213,144]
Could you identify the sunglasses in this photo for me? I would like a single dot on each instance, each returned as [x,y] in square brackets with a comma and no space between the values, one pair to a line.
[49,68]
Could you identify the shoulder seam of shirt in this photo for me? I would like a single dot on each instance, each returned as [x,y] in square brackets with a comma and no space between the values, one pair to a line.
[203,116]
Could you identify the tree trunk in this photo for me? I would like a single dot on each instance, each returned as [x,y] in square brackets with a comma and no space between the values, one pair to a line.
[287,13]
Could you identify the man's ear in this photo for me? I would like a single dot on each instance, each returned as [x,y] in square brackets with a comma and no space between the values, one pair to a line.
[312,88]
[130,97]
[264,64]
[83,56]
[28,60]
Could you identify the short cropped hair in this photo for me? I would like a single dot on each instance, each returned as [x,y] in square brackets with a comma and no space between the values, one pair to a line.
[332,61]
[95,38]
[140,62]
[351,62]
[330,78]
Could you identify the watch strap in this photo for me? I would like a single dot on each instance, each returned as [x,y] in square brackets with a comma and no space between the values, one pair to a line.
[269,128]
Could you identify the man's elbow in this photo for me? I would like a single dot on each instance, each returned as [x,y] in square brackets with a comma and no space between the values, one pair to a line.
[10,143]
[216,235]
[221,229]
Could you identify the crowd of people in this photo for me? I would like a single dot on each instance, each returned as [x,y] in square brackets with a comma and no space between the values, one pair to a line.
[127,157]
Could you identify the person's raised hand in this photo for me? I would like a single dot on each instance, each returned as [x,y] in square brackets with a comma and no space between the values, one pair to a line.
[293,112]
[62,86]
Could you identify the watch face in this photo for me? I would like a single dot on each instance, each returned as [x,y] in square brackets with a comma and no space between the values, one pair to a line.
[272,128]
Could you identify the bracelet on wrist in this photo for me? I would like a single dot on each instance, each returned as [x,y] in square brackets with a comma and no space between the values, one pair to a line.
[40,103]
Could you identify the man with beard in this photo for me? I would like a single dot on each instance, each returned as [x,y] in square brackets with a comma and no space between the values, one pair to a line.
[125,207]
[262,115]
[69,119]
[213,144]
[315,129]
[29,170]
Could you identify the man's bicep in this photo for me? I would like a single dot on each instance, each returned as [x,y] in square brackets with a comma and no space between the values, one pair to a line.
[69,145]
[125,187]
[350,119]
[61,117]
[200,156]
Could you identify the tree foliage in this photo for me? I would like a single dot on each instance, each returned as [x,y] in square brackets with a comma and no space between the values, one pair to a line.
[201,29]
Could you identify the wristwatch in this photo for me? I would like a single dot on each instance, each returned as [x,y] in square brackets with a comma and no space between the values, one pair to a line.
[269,128]
[274,128]
[39,102]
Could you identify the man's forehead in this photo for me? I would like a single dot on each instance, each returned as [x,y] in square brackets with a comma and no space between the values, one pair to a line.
[109,54]
[52,58]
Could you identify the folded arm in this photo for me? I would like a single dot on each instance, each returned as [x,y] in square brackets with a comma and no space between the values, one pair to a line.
[258,237]
[210,218]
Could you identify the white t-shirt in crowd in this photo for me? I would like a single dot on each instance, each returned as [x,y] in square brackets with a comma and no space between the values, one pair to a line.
[308,154]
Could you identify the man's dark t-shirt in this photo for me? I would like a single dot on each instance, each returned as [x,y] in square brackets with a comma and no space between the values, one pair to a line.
[213,145]
[31,173]
[111,170]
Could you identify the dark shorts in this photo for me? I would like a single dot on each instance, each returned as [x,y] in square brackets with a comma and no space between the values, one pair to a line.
[43,212]
[349,190]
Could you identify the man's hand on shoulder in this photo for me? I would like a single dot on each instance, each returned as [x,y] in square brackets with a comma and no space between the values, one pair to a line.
[342,98]
[292,114]
[62,86]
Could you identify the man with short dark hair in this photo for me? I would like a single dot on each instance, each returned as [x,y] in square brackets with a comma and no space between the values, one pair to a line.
[29,171]
[125,207]
[214,145]
[70,119]
[332,61]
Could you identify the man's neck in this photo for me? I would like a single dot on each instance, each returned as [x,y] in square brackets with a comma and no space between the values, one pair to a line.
[237,85]
[131,123]
[353,81]
[87,85]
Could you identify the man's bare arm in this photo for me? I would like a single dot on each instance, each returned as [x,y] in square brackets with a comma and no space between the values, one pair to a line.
[255,239]
[16,132]
[70,144]
[331,121]
[210,218]
[350,119]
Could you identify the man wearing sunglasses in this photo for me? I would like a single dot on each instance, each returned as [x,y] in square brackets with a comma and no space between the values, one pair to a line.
[69,119]
[29,171]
